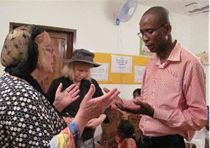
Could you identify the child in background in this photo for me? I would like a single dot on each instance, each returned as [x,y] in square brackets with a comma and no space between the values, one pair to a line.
[137,92]
[124,138]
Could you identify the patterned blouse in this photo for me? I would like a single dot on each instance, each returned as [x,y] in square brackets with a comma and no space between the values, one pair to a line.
[26,117]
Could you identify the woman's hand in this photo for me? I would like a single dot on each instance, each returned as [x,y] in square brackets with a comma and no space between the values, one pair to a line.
[93,123]
[92,108]
[66,97]
[116,100]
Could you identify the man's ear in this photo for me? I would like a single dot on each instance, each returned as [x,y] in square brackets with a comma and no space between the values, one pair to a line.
[168,29]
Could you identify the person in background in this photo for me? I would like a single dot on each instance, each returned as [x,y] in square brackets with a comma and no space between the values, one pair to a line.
[207,124]
[207,130]
[137,93]
[77,71]
[172,103]
[27,118]
[124,137]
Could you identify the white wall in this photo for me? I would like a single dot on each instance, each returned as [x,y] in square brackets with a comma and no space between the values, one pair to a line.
[199,33]
[199,37]
[96,31]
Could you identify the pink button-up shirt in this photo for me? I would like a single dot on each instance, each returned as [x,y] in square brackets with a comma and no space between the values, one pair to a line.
[176,91]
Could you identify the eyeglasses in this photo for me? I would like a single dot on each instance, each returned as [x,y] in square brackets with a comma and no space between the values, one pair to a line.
[148,32]
[48,49]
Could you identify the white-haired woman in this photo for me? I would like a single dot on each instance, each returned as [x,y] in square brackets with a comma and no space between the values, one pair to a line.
[77,71]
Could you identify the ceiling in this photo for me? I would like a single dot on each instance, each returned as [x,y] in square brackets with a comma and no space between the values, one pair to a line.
[187,7]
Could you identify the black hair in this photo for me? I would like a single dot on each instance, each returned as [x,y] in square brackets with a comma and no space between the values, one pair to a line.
[125,127]
[137,91]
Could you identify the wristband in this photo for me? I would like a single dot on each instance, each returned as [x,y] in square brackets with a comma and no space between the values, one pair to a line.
[73,127]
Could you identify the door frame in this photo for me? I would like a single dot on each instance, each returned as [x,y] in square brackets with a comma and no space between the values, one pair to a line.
[71,35]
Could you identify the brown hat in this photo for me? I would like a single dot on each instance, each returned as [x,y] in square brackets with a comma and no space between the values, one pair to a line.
[82,55]
[15,47]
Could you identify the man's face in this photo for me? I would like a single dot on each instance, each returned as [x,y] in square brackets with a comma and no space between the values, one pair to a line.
[153,32]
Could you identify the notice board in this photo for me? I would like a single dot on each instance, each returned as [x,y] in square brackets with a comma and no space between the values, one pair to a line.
[119,69]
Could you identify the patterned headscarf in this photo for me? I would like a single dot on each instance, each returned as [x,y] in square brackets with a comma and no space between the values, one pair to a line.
[15,49]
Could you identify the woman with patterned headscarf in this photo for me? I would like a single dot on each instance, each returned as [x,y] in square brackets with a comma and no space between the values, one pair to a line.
[27,119]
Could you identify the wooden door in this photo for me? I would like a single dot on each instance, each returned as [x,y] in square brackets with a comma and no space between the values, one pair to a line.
[62,40]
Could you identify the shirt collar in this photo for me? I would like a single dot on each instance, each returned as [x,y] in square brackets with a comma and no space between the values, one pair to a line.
[175,55]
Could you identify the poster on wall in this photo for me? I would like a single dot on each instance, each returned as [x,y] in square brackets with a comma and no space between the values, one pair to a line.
[138,73]
[119,68]
[100,73]
[121,64]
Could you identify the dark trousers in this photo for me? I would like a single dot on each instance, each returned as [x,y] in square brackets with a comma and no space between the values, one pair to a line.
[170,141]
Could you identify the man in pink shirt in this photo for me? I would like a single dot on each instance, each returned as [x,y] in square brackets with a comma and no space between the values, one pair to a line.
[172,103]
